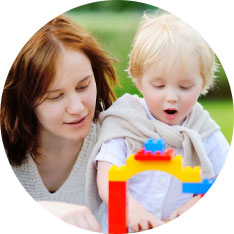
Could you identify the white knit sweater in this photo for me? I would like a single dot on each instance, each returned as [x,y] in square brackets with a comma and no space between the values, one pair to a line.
[74,188]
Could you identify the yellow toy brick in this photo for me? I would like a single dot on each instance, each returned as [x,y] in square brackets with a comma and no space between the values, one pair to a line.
[174,167]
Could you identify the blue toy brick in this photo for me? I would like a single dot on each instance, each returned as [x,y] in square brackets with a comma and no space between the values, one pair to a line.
[197,188]
[155,145]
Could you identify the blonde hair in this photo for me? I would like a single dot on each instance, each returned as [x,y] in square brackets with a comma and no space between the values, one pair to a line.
[160,31]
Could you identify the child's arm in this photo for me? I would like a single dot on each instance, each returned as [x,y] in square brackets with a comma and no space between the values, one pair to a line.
[179,211]
[215,144]
[138,218]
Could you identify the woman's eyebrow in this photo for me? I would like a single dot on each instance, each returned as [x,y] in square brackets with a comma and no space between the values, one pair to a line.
[85,78]
[53,91]
[82,80]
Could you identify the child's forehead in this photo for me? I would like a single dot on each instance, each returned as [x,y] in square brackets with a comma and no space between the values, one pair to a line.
[172,46]
[182,61]
[175,55]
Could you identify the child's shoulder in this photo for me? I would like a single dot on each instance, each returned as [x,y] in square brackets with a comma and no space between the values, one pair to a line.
[127,100]
[216,142]
[129,97]
[126,107]
[217,148]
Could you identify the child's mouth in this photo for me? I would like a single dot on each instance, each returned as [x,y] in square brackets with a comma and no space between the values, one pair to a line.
[170,114]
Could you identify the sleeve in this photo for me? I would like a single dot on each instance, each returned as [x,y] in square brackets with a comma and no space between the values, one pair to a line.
[216,147]
[113,151]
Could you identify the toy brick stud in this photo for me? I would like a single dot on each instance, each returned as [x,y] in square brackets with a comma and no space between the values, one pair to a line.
[153,146]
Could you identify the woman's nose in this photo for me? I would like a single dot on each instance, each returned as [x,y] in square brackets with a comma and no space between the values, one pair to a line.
[75,105]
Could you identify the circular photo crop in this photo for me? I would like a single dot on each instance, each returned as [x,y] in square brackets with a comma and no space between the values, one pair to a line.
[117,116]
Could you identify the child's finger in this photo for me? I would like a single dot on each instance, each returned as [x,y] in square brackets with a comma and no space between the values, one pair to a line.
[135,227]
[144,225]
[155,223]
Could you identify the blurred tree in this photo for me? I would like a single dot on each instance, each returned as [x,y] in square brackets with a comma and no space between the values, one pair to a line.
[114,6]
[109,29]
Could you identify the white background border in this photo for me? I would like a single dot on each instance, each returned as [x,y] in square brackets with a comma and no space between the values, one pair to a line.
[20,20]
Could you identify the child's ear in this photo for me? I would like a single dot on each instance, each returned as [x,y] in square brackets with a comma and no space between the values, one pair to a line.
[138,84]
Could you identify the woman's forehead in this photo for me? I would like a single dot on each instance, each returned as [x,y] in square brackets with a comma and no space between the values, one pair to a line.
[72,66]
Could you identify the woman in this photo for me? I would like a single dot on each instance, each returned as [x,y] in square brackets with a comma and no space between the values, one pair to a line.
[53,94]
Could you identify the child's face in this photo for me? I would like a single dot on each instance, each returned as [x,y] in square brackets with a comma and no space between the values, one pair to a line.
[171,91]
[69,105]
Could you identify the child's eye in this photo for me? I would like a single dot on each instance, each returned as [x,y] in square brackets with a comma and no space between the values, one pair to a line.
[159,86]
[185,87]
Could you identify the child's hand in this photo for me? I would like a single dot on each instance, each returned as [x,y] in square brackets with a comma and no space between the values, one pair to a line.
[139,219]
[179,211]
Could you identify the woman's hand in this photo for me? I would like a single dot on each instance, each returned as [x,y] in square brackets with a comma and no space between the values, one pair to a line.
[79,216]
[139,219]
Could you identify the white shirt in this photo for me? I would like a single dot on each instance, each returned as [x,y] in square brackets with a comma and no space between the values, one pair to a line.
[159,192]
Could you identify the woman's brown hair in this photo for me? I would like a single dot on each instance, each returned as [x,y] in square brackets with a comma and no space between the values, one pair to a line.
[33,72]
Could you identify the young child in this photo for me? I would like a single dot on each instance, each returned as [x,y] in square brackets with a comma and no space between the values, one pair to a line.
[172,66]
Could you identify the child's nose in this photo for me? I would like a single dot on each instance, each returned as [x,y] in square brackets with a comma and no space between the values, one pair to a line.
[75,105]
[172,96]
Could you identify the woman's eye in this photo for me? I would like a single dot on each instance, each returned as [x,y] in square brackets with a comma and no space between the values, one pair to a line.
[83,87]
[57,97]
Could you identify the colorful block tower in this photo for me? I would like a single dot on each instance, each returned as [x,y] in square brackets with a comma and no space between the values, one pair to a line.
[152,157]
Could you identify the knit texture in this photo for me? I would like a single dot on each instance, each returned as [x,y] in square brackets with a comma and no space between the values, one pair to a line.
[126,118]
[73,189]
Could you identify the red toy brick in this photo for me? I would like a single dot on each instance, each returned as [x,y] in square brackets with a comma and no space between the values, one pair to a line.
[117,207]
[141,155]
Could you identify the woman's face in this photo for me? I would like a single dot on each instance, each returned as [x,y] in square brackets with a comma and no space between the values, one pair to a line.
[69,105]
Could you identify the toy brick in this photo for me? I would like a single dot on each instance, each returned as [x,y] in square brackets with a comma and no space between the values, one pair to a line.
[116,229]
[197,188]
[170,152]
[144,155]
[117,173]
[173,166]
[153,158]
[117,211]
[117,216]
[117,184]
[152,145]
[140,152]
[117,190]
[191,174]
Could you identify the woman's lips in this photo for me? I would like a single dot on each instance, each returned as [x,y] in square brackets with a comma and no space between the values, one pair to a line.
[76,123]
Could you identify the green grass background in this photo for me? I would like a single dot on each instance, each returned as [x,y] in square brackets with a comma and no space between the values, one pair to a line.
[115,31]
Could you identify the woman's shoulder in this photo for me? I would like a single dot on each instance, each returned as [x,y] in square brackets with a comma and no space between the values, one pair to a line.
[92,137]
[25,165]
[94,129]
[26,170]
